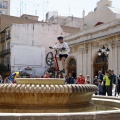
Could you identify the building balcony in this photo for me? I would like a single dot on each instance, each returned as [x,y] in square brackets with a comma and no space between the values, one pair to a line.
[4,53]
[8,37]
[2,39]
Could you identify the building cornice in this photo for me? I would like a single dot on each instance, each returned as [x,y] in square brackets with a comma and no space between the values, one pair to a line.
[102,32]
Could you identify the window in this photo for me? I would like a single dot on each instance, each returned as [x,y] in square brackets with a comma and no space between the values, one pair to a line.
[5,4]
[8,32]
[8,45]
[0,4]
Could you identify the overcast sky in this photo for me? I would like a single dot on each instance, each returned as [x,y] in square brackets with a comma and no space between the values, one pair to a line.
[64,7]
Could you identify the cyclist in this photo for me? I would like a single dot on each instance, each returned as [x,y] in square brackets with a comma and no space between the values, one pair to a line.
[15,75]
[63,51]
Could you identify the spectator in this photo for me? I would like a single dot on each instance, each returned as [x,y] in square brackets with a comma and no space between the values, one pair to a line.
[107,83]
[6,80]
[113,80]
[100,75]
[1,80]
[81,79]
[47,75]
[95,81]
[70,79]
[87,80]
[31,75]
[118,85]
[37,76]
[100,87]
[15,75]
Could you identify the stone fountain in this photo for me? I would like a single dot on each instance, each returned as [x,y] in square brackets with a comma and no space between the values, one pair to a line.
[45,96]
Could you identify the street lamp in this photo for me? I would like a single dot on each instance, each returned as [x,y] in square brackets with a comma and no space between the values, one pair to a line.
[103,52]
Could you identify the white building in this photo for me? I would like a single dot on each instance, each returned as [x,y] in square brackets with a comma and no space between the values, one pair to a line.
[28,45]
[69,21]
[103,13]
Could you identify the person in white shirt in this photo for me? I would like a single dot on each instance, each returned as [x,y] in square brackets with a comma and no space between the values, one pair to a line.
[63,52]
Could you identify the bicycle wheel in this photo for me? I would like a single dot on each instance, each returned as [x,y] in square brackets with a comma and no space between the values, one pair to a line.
[49,59]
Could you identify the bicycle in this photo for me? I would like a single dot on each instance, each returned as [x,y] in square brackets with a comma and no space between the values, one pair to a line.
[51,60]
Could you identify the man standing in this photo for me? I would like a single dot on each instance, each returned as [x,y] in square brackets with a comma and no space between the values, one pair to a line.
[113,80]
[107,83]
[70,79]
[63,51]
[100,77]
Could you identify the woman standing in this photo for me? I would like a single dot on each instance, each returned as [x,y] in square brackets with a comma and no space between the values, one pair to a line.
[80,79]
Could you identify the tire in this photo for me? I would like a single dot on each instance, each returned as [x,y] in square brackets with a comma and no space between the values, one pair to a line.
[49,59]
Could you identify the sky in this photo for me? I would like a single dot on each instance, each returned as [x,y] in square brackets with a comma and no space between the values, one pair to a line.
[64,7]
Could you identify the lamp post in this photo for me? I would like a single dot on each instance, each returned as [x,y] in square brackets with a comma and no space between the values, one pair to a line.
[103,52]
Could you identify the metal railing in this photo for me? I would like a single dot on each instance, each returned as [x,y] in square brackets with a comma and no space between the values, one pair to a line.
[4,52]
[8,37]
[2,39]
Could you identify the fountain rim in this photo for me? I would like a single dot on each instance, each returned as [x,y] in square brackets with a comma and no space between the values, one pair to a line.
[69,114]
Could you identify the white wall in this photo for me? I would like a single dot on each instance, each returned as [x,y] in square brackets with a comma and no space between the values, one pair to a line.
[42,34]
[30,43]
[28,56]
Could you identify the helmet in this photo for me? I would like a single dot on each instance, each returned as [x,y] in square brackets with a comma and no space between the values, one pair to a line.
[60,37]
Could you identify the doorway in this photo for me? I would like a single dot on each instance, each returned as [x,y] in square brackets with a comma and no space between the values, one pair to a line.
[100,63]
[72,67]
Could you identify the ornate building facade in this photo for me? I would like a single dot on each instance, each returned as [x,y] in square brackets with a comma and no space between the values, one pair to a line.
[101,28]
[84,50]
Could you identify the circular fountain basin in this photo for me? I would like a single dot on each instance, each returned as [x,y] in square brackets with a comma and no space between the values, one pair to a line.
[43,95]
[113,114]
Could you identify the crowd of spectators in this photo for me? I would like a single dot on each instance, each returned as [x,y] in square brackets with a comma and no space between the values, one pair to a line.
[106,82]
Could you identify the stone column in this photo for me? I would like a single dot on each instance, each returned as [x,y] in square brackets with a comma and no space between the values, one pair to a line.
[110,60]
[84,63]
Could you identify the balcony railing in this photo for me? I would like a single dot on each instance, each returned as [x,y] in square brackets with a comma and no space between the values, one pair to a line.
[4,53]
[2,39]
[8,37]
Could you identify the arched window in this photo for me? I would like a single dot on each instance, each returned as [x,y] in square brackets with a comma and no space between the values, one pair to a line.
[72,67]
[72,62]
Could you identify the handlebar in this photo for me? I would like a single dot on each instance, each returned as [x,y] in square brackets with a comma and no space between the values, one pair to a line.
[60,49]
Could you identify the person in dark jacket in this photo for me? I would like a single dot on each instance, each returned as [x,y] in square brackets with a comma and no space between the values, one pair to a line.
[118,85]
[70,79]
